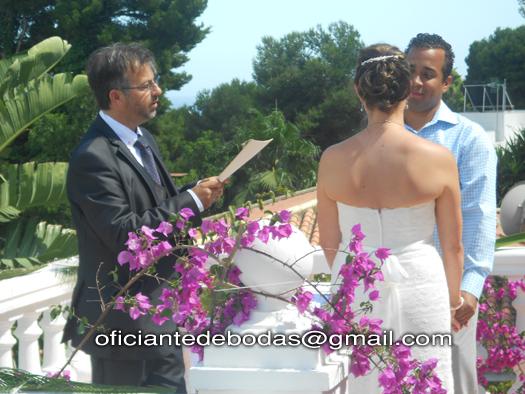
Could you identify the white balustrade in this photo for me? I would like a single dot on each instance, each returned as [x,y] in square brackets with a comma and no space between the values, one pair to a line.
[53,329]
[27,301]
[28,331]
[7,341]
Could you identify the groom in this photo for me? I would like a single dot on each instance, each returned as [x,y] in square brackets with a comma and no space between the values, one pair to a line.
[431,60]
[116,184]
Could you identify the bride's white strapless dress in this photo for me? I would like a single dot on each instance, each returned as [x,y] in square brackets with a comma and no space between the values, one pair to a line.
[414,297]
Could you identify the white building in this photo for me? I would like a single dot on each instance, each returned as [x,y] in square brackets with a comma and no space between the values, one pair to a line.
[501,125]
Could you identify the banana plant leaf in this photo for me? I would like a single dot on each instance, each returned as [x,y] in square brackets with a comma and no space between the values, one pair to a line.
[29,185]
[38,60]
[29,243]
[8,213]
[22,106]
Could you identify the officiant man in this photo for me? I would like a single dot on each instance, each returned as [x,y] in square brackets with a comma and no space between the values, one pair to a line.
[117,183]
[431,59]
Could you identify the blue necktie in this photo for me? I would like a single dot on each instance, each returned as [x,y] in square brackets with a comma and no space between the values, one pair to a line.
[147,159]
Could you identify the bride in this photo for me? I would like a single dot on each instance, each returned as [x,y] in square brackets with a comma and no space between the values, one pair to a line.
[397,186]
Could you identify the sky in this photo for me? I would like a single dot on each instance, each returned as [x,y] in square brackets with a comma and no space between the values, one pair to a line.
[237,27]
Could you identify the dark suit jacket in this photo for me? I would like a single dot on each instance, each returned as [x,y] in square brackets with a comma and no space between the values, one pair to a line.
[111,195]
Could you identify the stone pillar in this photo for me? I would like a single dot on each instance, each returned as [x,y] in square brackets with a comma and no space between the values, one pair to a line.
[7,341]
[28,333]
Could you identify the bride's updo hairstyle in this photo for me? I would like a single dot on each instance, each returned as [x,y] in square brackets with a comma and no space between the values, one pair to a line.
[382,76]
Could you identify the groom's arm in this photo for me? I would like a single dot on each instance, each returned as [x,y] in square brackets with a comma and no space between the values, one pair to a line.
[477,169]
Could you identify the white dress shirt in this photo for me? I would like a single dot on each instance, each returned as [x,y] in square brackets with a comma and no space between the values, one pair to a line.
[129,137]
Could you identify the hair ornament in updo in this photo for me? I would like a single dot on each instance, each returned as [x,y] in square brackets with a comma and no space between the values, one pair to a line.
[378,59]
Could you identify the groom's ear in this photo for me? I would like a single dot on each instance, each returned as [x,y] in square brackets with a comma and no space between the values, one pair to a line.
[446,84]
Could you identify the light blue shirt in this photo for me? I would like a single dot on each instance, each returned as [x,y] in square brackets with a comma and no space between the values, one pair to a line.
[129,137]
[476,159]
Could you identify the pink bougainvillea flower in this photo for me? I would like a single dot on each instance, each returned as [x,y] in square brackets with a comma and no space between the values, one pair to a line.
[221,227]
[207,226]
[186,213]
[302,300]
[148,233]
[158,318]
[357,233]
[193,233]
[382,253]
[142,301]
[285,216]
[242,213]
[165,228]
[133,243]
[120,304]
[135,312]
[373,295]
[124,257]
[264,234]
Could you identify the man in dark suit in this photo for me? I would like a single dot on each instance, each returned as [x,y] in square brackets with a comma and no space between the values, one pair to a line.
[117,183]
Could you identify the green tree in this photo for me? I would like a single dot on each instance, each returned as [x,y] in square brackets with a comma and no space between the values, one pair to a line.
[522,7]
[167,27]
[299,73]
[454,96]
[289,163]
[28,91]
[338,117]
[501,56]
[223,108]
[169,128]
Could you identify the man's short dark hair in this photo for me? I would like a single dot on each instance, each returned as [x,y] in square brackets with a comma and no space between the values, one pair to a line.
[107,68]
[434,41]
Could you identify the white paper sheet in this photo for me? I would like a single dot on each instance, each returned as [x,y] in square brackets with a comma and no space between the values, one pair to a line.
[250,149]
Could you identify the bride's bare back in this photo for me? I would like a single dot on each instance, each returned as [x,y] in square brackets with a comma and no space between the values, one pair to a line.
[385,166]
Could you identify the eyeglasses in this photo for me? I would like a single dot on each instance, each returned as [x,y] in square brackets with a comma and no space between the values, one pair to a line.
[149,85]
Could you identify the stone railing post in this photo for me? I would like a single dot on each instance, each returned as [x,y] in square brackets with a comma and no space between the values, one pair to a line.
[28,331]
[7,341]
[54,351]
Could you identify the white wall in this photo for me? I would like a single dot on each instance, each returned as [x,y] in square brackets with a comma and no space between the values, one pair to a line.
[501,125]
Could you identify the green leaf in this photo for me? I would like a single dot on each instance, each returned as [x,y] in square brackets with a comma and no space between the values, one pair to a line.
[17,381]
[81,328]
[29,243]
[11,273]
[30,185]
[55,311]
[8,213]
[22,106]
[509,240]
[39,60]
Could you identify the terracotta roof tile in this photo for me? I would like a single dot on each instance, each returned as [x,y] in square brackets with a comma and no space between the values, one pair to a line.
[300,201]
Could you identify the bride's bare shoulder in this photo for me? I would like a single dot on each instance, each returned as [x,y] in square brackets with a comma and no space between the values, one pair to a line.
[343,148]
[330,157]
[431,152]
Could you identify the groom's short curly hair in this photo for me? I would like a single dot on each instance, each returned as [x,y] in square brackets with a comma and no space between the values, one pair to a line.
[107,68]
[434,41]
[382,76]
